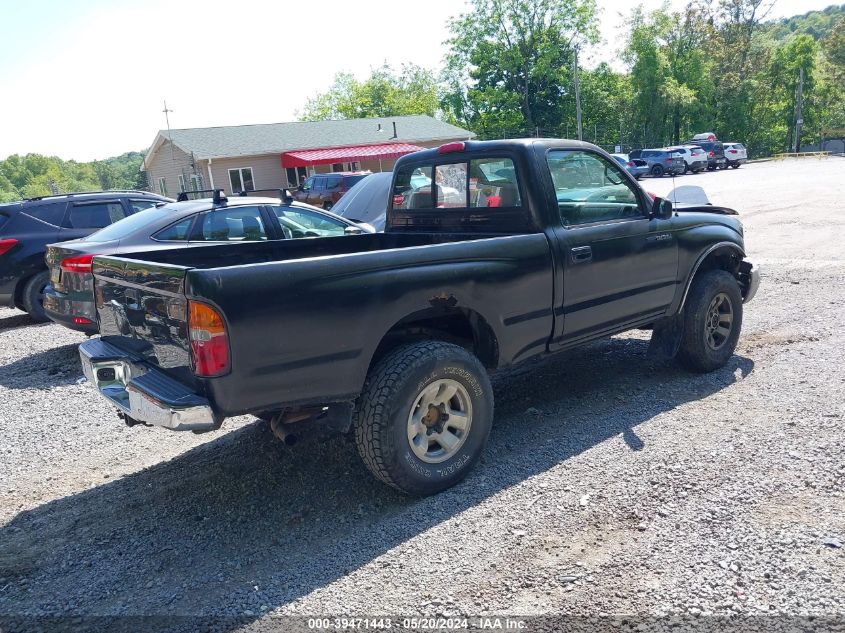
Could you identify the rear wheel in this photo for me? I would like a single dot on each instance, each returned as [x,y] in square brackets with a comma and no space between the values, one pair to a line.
[657,171]
[33,296]
[712,321]
[424,417]
[735,166]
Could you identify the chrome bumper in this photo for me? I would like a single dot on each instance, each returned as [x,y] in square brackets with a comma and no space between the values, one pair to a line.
[753,283]
[144,393]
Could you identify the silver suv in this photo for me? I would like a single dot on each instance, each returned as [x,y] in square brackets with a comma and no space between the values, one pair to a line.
[663,161]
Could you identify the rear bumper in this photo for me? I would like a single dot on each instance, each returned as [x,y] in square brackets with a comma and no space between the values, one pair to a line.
[63,310]
[142,392]
[7,292]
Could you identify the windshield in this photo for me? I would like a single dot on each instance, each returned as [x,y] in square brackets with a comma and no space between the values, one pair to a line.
[127,226]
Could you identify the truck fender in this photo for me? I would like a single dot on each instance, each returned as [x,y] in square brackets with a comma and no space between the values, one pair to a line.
[714,249]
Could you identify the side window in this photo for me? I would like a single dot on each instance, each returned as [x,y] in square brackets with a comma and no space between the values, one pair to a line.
[50,213]
[319,184]
[95,215]
[175,232]
[412,189]
[590,189]
[493,183]
[140,205]
[333,183]
[236,224]
[450,185]
[308,184]
[298,223]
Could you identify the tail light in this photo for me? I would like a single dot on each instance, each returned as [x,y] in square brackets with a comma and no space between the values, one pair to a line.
[7,245]
[731,151]
[398,200]
[668,160]
[209,341]
[82,321]
[77,264]
[631,163]
[712,153]
[448,148]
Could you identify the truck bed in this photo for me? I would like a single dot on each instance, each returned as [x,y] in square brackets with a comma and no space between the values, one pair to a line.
[304,317]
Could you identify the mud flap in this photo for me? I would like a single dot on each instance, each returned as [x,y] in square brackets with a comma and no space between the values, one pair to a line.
[666,338]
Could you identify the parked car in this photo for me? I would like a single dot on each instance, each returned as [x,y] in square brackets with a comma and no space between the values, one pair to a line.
[324,190]
[635,166]
[735,154]
[27,227]
[69,299]
[393,334]
[368,200]
[704,136]
[695,159]
[715,154]
[663,161]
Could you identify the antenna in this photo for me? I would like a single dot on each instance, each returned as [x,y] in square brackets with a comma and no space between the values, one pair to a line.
[169,135]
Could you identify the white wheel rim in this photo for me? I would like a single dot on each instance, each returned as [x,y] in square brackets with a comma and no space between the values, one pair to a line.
[440,421]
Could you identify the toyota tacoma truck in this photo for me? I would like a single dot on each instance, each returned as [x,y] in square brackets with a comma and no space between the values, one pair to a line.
[494,253]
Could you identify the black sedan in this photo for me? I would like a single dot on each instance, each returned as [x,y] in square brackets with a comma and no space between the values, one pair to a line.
[69,299]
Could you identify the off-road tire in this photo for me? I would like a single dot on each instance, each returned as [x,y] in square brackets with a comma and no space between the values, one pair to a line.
[695,353]
[33,296]
[389,395]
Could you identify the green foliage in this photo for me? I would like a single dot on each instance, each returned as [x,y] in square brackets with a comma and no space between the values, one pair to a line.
[36,175]
[413,90]
[818,24]
[509,68]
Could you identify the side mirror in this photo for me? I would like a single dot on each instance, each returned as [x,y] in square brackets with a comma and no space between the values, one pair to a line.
[353,230]
[662,209]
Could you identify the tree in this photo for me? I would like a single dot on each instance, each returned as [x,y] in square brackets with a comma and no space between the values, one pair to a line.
[385,93]
[509,65]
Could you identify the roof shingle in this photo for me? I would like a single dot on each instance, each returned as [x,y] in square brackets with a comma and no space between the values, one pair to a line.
[272,138]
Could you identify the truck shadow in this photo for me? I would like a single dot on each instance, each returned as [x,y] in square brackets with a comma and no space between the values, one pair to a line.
[242,522]
[43,370]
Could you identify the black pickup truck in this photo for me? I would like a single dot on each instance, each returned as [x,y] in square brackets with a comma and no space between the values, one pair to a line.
[495,252]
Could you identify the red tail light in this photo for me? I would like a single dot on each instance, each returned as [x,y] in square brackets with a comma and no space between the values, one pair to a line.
[209,341]
[82,321]
[668,160]
[398,200]
[631,163]
[712,153]
[731,151]
[7,245]
[77,264]
[448,148]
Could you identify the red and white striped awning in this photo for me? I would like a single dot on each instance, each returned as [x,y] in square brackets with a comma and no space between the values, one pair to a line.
[303,158]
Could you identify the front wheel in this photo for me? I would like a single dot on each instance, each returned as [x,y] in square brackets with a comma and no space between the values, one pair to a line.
[424,417]
[712,321]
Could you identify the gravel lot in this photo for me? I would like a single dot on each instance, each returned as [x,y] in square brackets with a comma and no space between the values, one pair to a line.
[611,484]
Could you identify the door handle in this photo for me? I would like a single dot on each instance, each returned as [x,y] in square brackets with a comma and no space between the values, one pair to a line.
[581,254]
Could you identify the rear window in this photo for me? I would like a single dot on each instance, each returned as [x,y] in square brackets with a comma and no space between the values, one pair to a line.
[95,215]
[51,213]
[127,226]
[483,182]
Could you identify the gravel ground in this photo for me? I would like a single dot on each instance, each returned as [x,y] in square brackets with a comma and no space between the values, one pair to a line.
[611,486]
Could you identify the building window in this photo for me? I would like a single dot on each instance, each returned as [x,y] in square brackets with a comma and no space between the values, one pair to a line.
[196,183]
[162,186]
[181,183]
[241,179]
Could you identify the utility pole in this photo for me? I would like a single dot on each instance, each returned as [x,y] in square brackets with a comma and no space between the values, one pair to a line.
[578,97]
[799,120]
[169,136]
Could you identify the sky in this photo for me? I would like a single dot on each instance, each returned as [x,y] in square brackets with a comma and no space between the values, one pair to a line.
[87,79]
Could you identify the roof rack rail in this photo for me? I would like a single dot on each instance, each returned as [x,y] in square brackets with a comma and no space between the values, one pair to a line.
[88,193]
[184,196]
[283,193]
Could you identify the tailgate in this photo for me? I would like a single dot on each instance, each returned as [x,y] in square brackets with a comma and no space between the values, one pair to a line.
[142,309]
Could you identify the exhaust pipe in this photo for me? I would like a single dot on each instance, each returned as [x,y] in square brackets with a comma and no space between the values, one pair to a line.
[280,432]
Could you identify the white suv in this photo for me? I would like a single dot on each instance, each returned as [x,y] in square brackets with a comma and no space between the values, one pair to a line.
[735,154]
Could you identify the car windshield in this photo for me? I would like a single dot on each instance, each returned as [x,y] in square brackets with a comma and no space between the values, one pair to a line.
[129,225]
